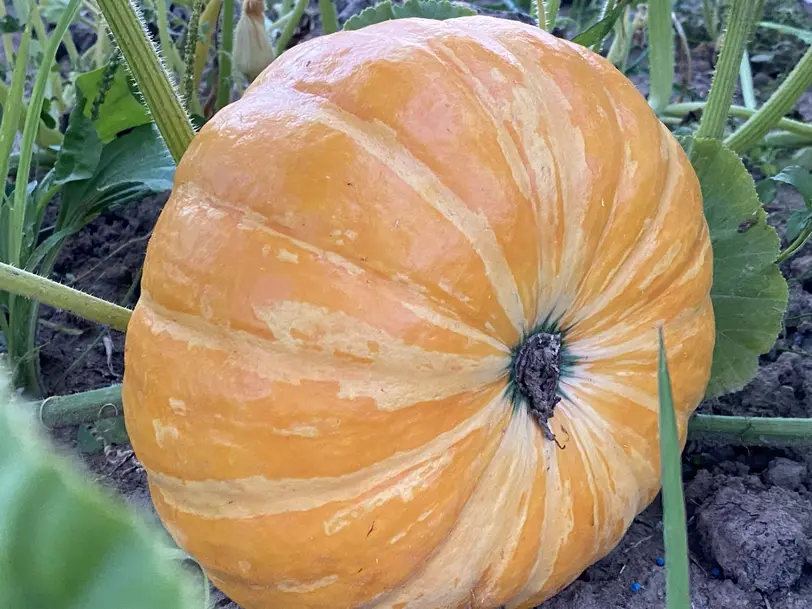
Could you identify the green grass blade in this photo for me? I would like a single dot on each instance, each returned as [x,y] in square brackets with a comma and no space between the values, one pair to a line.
[746,81]
[14,104]
[677,580]
[17,216]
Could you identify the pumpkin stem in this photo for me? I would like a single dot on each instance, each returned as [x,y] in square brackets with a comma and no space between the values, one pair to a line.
[536,370]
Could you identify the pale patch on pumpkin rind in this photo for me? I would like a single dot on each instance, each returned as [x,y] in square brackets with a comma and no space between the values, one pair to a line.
[304,587]
[272,360]
[164,432]
[448,577]
[259,496]
[420,478]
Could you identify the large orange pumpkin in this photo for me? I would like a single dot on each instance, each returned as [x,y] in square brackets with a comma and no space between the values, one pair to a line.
[397,341]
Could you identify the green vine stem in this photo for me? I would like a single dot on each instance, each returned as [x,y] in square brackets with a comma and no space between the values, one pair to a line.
[153,80]
[661,54]
[290,27]
[771,113]
[796,245]
[65,410]
[752,430]
[192,35]
[329,17]
[738,28]
[224,56]
[41,289]
[788,125]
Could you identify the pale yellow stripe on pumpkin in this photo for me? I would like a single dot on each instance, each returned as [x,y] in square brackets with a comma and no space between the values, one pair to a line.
[381,142]
[452,374]
[454,325]
[542,96]
[450,575]
[254,221]
[260,496]
[558,520]
[499,581]
[617,474]
[646,246]
[501,113]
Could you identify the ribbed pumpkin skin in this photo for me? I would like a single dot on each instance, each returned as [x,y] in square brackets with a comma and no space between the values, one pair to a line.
[316,371]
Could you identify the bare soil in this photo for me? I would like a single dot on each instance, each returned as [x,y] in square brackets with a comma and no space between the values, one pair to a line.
[749,508]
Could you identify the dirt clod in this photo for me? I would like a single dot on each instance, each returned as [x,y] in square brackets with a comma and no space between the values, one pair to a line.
[760,539]
[785,473]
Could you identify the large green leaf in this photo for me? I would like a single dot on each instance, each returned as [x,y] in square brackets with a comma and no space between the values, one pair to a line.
[602,28]
[65,544]
[426,9]
[81,149]
[120,110]
[749,293]
[132,166]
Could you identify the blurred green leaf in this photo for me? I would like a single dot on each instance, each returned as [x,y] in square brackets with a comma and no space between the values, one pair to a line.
[805,35]
[81,149]
[766,191]
[796,223]
[800,178]
[10,25]
[602,28]
[65,544]
[675,537]
[426,9]
[92,438]
[120,110]
[749,293]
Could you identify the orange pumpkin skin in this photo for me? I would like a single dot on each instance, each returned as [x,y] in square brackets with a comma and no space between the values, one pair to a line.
[317,372]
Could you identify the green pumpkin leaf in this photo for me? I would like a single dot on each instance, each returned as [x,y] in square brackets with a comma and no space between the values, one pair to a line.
[601,29]
[66,544]
[800,178]
[120,110]
[93,437]
[132,166]
[797,222]
[426,9]
[81,148]
[749,293]
[431,9]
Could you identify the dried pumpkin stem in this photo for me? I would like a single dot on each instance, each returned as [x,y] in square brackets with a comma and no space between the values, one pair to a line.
[753,430]
[144,61]
[536,368]
[772,112]
[740,19]
[42,289]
